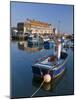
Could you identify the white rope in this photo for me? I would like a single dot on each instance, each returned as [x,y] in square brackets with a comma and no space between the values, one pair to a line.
[39,86]
[37,89]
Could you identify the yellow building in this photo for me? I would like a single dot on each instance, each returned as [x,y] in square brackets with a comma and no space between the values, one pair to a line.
[33,26]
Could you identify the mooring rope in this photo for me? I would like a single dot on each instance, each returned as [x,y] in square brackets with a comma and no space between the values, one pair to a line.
[37,89]
[40,85]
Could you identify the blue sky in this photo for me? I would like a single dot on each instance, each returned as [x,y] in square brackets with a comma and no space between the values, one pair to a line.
[50,13]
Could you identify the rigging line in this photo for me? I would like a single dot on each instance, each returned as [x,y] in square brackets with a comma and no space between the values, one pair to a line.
[37,89]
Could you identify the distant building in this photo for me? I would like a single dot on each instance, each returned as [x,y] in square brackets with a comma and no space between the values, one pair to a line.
[13,30]
[20,27]
[33,26]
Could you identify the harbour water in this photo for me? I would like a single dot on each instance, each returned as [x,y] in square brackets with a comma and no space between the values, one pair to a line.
[23,84]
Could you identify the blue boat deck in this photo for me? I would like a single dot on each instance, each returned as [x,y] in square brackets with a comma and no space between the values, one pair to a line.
[49,65]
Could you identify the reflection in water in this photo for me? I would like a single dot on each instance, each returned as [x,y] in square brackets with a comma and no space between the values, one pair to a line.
[21,68]
[29,47]
[72,48]
[24,45]
[36,82]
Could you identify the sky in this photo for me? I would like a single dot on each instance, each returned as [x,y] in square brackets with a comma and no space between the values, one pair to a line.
[60,16]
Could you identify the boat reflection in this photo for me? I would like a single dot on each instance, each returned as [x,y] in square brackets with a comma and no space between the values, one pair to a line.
[23,45]
[36,82]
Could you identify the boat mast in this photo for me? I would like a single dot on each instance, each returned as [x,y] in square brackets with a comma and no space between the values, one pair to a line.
[59,49]
[59,26]
[57,40]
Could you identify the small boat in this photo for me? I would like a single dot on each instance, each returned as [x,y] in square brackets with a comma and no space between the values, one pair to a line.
[53,65]
[46,39]
[32,40]
[49,44]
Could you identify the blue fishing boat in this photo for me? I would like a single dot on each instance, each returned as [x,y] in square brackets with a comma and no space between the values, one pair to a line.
[34,40]
[53,65]
[48,44]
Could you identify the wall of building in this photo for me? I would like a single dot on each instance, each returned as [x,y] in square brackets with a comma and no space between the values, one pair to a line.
[32,26]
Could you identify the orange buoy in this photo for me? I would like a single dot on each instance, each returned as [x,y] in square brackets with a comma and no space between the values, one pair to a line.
[47,78]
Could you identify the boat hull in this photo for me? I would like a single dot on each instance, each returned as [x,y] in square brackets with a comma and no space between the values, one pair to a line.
[40,70]
[53,73]
[58,72]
